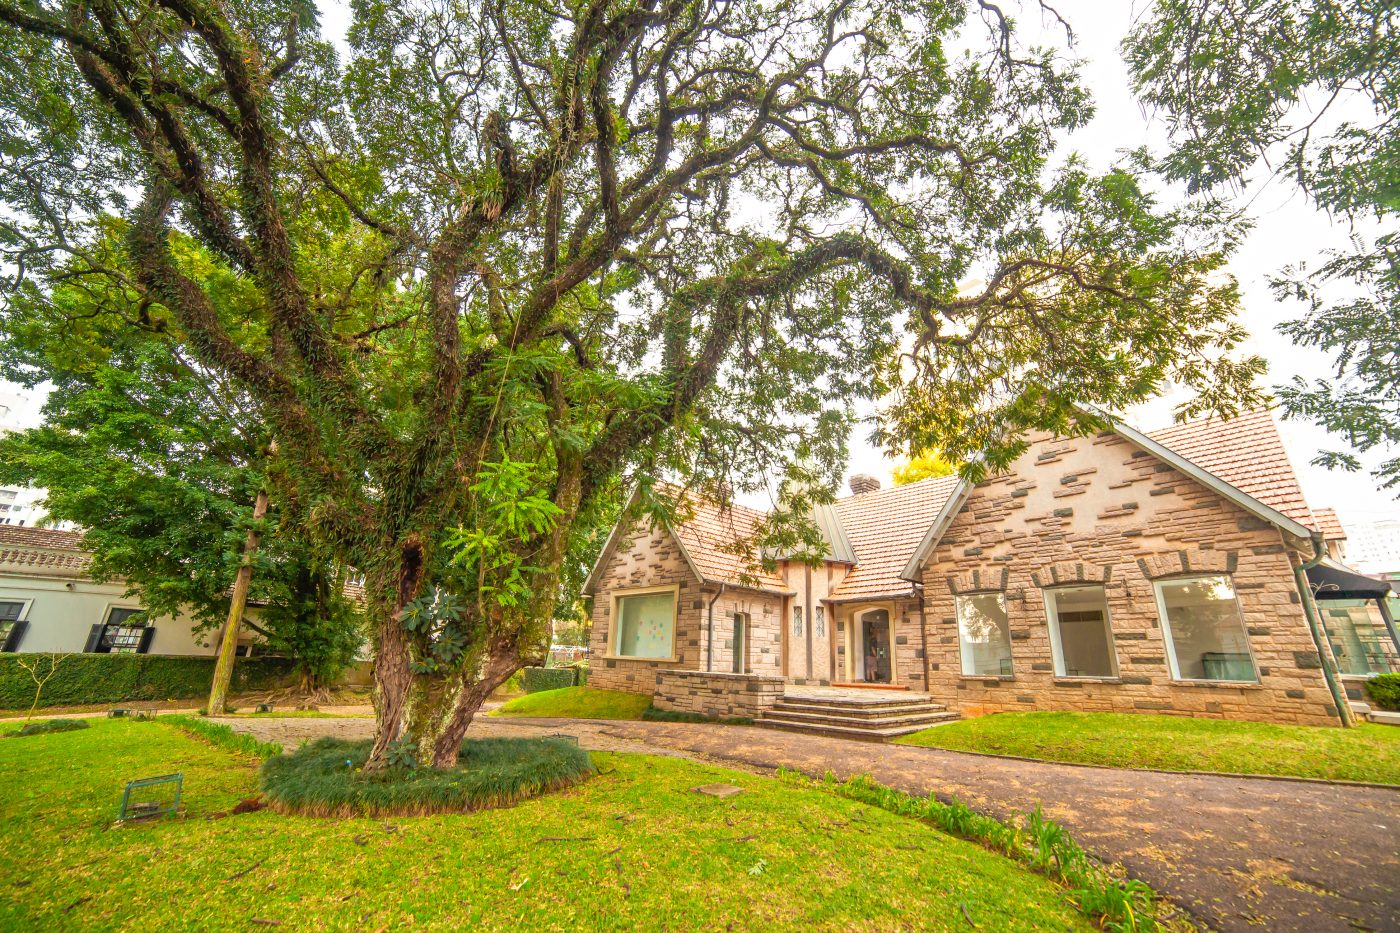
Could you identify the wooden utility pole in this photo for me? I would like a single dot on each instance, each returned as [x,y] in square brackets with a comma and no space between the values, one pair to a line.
[228,646]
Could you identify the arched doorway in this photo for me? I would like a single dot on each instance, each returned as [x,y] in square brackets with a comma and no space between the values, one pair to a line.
[872,655]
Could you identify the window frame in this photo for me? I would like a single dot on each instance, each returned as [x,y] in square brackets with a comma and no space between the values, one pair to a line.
[7,625]
[107,624]
[1170,643]
[962,657]
[741,625]
[615,626]
[1052,619]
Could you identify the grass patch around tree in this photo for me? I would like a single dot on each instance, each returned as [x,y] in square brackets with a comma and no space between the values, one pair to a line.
[1177,743]
[577,703]
[634,848]
[327,778]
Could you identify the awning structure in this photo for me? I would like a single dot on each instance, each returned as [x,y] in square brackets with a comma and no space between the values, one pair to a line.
[1331,580]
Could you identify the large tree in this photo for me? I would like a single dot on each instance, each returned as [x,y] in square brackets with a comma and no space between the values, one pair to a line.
[590,244]
[1308,93]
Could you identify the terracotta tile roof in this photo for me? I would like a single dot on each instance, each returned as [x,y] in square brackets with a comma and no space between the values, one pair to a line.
[1329,524]
[715,539]
[30,536]
[884,528]
[1245,452]
[37,549]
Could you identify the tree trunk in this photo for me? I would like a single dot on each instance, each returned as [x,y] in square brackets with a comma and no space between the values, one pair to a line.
[498,668]
[228,645]
[392,680]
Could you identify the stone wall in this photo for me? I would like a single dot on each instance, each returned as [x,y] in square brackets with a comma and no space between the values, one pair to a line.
[651,557]
[1098,509]
[718,696]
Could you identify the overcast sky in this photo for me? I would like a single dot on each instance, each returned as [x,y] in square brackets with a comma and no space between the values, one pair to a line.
[1287,231]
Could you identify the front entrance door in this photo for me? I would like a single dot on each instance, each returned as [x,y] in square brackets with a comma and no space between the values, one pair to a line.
[873,631]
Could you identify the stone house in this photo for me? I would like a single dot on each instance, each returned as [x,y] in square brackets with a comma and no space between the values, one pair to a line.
[1180,572]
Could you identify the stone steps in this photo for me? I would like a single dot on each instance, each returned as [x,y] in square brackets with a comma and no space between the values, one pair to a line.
[874,718]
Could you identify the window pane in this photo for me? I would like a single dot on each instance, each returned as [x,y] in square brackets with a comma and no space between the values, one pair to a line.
[645,625]
[1205,631]
[1079,631]
[985,635]
[9,611]
[1357,632]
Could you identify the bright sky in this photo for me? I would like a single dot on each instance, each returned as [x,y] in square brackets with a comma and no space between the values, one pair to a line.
[1288,230]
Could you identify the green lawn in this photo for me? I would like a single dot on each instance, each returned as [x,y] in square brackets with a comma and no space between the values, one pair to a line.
[1175,743]
[632,848]
[577,703]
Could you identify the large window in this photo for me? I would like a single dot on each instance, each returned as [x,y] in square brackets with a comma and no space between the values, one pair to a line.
[646,625]
[1205,633]
[985,635]
[1080,638]
[1357,634]
[11,626]
[125,631]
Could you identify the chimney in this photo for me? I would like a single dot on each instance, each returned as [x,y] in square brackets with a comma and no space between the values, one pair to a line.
[862,483]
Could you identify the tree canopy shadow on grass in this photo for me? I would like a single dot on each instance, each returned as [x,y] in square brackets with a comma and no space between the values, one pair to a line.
[327,778]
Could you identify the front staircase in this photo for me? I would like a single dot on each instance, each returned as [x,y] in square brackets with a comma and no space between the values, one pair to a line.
[869,715]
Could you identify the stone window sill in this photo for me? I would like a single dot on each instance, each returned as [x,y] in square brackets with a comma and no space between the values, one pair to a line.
[988,678]
[1220,684]
[1088,680]
[630,657]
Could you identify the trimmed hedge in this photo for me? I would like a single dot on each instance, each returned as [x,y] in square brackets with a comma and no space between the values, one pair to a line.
[536,679]
[84,679]
[1385,691]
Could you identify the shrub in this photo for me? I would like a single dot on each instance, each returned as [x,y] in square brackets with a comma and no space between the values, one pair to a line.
[536,679]
[1385,691]
[326,778]
[45,726]
[84,679]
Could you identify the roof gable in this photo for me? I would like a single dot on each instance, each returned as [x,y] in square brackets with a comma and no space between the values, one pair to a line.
[885,528]
[1260,463]
[710,537]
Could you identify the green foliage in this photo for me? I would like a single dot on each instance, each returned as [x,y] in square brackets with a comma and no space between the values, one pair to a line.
[925,465]
[84,679]
[1116,903]
[1178,743]
[1309,92]
[536,679]
[577,703]
[326,778]
[1384,690]
[220,735]
[45,726]
[143,449]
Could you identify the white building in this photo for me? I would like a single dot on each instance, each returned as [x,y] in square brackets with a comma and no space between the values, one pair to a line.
[19,505]
[48,603]
[1374,547]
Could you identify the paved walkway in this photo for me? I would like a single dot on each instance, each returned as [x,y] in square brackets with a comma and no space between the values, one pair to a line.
[1238,854]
